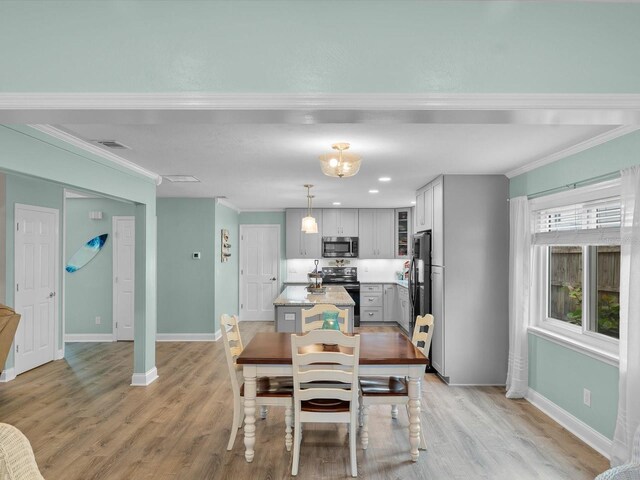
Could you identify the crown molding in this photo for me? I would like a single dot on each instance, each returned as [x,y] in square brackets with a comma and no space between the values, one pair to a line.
[579,147]
[227,203]
[349,101]
[94,150]
[262,210]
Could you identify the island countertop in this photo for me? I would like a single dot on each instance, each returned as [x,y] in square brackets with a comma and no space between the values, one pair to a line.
[298,296]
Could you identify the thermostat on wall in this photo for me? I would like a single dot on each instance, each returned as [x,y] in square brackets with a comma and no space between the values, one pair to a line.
[196,255]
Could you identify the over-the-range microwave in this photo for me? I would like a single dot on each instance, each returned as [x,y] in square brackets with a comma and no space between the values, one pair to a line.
[339,247]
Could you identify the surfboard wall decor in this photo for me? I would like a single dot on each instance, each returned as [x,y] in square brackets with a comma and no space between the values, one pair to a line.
[86,253]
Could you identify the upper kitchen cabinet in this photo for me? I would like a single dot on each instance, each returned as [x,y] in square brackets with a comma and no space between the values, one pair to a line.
[403,231]
[300,244]
[437,227]
[424,208]
[340,222]
[376,233]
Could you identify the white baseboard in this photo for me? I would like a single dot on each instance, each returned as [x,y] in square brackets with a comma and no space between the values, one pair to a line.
[218,335]
[187,337]
[88,337]
[584,432]
[59,354]
[8,375]
[144,379]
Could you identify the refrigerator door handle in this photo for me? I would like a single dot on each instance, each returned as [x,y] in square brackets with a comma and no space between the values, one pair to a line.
[412,281]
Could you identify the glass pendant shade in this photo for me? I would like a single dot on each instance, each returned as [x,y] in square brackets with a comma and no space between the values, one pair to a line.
[341,163]
[309,225]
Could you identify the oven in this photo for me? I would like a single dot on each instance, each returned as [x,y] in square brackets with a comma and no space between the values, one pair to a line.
[339,247]
[353,289]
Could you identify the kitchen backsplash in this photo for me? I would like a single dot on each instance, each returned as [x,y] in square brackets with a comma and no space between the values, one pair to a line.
[374,271]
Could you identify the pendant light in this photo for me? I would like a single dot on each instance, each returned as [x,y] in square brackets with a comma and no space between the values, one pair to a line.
[341,164]
[309,224]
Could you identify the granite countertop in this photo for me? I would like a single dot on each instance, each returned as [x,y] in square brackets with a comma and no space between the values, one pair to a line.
[298,296]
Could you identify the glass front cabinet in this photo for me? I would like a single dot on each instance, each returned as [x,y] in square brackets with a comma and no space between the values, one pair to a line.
[403,233]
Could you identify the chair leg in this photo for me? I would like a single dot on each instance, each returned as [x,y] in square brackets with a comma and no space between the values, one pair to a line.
[364,433]
[288,439]
[394,411]
[237,407]
[352,447]
[297,431]
[263,412]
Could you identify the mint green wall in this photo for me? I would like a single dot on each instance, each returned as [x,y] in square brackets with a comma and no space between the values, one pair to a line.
[226,272]
[186,287]
[556,372]
[89,291]
[600,160]
[24,150]
[561,374]
[270,218]
[330,46]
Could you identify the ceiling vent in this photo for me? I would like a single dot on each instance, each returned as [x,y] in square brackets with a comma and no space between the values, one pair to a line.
[180,178]
[112,144]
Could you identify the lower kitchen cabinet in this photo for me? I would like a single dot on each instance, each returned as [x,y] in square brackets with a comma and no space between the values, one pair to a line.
[390,294]
[404,308]
[371,303]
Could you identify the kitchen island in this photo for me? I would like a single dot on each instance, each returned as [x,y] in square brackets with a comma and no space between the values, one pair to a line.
[294,299]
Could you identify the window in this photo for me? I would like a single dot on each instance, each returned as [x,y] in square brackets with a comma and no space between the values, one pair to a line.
[576,252]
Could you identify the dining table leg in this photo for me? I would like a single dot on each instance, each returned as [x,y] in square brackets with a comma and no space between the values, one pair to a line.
[249,372]
[414,417]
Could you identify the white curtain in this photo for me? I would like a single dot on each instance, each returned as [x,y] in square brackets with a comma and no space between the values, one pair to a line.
[629,387]
[519,290]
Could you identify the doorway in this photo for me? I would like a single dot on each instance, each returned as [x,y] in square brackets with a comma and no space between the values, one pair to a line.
[124,261]
[36,256]
[259,271]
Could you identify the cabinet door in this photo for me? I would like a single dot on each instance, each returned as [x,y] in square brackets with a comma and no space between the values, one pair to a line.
[389,302]
[428,208]
[385,227]
[312,242]
[439,331]
[330,222]
[293,233]
[348,222]
[437,237]
[403,231]
[366,238]
[420,211]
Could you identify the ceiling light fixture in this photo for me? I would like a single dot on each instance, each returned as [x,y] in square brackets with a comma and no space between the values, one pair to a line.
[374,191]
[384,179]
[342,164]
[309,224]
[337,203]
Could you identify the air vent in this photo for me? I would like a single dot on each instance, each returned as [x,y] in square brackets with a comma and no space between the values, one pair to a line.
[112,144]
[180,178]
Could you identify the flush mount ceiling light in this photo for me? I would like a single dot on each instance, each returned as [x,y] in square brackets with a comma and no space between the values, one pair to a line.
[374,191]
[309,224]
[341,164]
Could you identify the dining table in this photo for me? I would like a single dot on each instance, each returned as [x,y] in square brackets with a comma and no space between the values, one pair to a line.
[268,354]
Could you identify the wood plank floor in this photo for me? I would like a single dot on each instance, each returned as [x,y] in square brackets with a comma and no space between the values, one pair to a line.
[85,422]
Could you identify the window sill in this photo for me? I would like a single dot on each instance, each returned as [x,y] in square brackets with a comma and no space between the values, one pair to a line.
[593,352]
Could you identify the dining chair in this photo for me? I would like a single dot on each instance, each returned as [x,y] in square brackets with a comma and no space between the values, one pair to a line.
[17,461]
[319,309]
[393,391]
[270,391]
[320,358]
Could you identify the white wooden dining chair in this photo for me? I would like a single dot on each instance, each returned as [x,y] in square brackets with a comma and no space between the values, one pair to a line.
[270,391]
[393,391]
[318,310]
[321,358]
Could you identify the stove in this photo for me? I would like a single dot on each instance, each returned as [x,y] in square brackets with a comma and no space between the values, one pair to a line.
[346,277]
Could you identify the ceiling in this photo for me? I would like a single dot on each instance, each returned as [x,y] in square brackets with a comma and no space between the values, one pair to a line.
[263,166]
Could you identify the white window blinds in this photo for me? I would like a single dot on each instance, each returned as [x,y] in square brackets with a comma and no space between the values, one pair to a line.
[593,222]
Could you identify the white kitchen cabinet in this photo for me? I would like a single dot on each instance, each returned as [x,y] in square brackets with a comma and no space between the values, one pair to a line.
[424,208]
[371,302]
[298,243]
[437,230]
[376,233]
[405,308]
[437,302]
[419,220]
[390,294]
[340,222]
[403,232]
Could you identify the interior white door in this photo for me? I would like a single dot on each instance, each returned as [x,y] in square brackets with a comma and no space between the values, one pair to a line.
[36,273]
[259,263]
[124,260]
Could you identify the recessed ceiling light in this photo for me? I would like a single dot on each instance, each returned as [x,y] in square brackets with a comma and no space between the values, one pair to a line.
[180,178]
[373,191]
[337,203]
[413,202]
[384,179]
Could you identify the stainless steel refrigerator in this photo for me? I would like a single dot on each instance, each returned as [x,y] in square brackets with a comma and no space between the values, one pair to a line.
[420,276]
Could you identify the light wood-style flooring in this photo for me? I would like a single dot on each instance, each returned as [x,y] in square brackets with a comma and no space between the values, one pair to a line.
[85,422]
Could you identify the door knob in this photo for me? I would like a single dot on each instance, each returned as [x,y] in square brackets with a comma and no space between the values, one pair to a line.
[52,294]
[273,279]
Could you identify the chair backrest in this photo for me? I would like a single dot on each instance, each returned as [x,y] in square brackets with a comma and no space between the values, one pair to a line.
[420,336]
[311,353]
[17,461]
[232,347]
[343,317]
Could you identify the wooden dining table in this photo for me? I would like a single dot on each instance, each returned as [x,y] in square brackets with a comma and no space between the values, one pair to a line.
[269,354]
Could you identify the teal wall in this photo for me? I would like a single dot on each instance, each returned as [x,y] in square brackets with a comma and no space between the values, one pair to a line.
[331,46]
[226,272]
[186,288]
[270,218]
[89,291]
[26,151]
[557,372]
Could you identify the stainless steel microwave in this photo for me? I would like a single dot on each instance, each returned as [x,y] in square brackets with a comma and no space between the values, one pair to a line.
[340,247]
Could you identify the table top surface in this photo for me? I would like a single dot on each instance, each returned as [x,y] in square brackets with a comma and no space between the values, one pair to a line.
[268,348]
[298,296]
